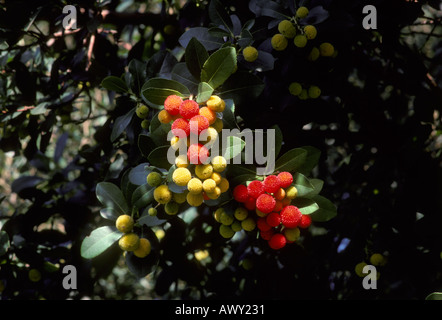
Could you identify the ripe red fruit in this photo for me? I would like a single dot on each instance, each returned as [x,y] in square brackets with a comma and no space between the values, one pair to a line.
[250,203]
[290,216]
[189,109]
[285,179]
[180,128]
[273,219]
[305,222]
[240,193]
[271,184]
[266,235]
[265,203]
[197,153]
[198,124]
[277,241]
[262,224]
[255,188]
[172,104]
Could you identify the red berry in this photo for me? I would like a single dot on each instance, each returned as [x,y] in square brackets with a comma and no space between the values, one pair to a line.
[273,219]
[172,104]
[285,179]
[198,124]
[240,193]
[278,206]
[256,188]
[250,204]
[189,109]
[305,222]
[197,153]
[265,203]
[290,216]
[266,235]
[262,224]
[277,241]
[180,128]
[271,184]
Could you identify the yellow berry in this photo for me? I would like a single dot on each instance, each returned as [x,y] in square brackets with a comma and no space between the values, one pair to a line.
[314,92]
[34,275]
[295,88]
[314,54]
[181,176]
[129,242]
[226,231]
[250,54]
[219,163]
[303,95]
[203,171]
[181,161]
[310,32]
[195,200]
[241,213]
[358,269]
[212,135]
[292,234]
[248,224]
[179,197]
[279,42]
[209,185]
[154,179]
[201,255]
[142,111]
[164,116]
[124,223]
[247,264]
[224,185]
[144,248]
[162,194]
[195,186]
[300,41]
[291,192]
[152,211]
[377,259]
[171,208]
[216,177]
[287,29]
[302,12]
[216,104]
[326,49]
[214,194]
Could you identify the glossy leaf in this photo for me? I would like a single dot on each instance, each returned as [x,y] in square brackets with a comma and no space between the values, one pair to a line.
[114,83]
[219,66]
[112,197]
[195,54]
[99,241]
[327,210]
[291,160]
[204,37]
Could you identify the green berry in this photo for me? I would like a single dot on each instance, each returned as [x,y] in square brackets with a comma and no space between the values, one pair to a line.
[303,95]
[314,92]
[310,32]
[287,29]
[171,208]
[326,49]
[300,41]
[142,111]
[314,54]
[152,212]
[279,42]
[145,124]
[250,54]
[226,219]
[302,12]
[358,269]
[154,179]
[226,231]
[295,88]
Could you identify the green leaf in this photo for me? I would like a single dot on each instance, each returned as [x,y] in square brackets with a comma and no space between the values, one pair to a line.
[302,184]
[242,87]
[121,124]
[218,32]
[4,242]
[204,37]
[145,144]
[138,71]
[306,206]
[311,160]
[138,174]
[218,15]
[317,185]
[219,66]
[291,160]
[229,115]
[234,147]
[195,55]
[148,220]
[142,196]
[434,296]
[182,74]
[204,92]
[327,210]
[114,83]
[109,214]
[158,157]
[156,90]
[99,241]
[112,197]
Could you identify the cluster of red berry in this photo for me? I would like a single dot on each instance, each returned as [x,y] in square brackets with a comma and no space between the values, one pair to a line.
[278,221]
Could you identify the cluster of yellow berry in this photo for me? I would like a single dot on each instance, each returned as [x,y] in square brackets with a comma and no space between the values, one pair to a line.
[376,259]
[130,241]
[202,176]
[306,92]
